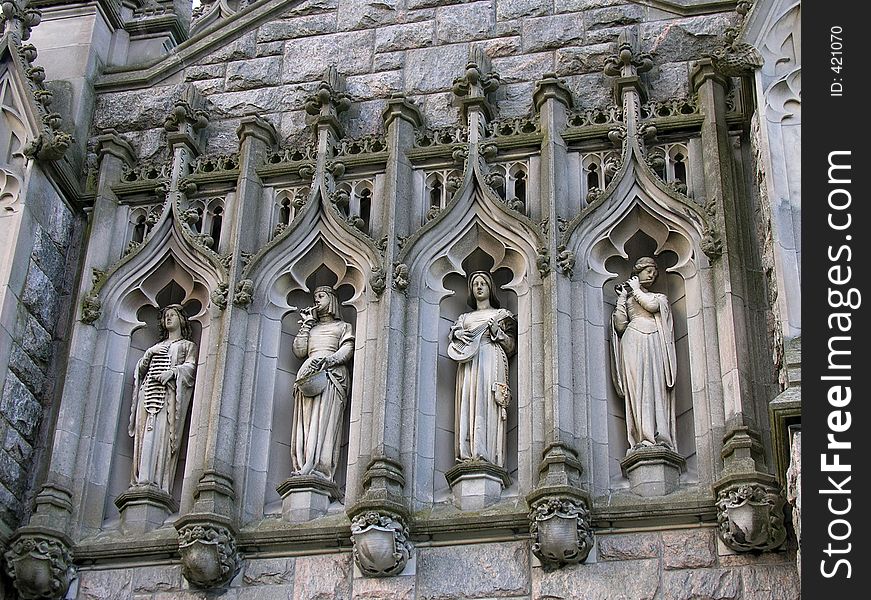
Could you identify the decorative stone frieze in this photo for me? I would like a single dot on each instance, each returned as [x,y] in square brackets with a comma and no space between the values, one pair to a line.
[40,564]
[208,553]
[381,545]
[750,517]
[561,530]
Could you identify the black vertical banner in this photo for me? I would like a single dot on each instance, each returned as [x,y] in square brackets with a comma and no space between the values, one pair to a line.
[836,249]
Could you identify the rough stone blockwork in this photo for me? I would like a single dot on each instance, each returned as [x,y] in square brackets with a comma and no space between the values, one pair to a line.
[416,47]
[40,320]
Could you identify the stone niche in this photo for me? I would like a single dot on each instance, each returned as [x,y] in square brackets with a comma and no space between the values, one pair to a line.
[672,285]
[288,364]
[450,308]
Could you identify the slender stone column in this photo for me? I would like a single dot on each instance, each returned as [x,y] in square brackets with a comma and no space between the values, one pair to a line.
[750,508]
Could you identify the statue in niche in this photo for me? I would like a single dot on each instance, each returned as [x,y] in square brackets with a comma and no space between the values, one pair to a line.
[644,360]
[162,389]
[481,342]
[326,343]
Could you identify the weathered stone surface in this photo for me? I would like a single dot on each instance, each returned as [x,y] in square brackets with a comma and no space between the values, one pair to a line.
[105,585]
[365,118]
[223,136]
[20,407]
[362,14]
[200,72]
[690,549]
[323,577]
[307,59]
[133,110]
[513,9]
[253,73]
[558,31]
[560,6]
[34,338]
[771,583]
[582,59]
[271,592]
[474,571]
[207,87]
[28,372]
[710,584]
[40,295]
[439,109]
[244,47]
[264,100]
[516,99]
[628,546]
[149,143]
[383,588]
[524,67]
[10,507]
[463,23]
[614,16]
[17,447]
[270,49]
[503,46]
[313,7]
[668,81]
[376,85]
[676,41]
[12,475]
[156,579]
[287,29]
[268,571]
[590,90]
[431,3]
[405,36]
[604,36]
[388,61]
[420,77]
[635,580]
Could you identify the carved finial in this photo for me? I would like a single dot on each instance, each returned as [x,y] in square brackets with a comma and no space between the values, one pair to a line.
[628,62]
[479,79]
[18,18]
[329,99]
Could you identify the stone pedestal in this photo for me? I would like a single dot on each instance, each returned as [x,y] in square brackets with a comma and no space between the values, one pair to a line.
[306,497]
[476,484]
[653,470]
[144,508]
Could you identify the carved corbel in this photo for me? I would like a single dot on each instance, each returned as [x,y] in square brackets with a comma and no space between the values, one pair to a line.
[243,295]
[40,565]
[750,517]
[734,58]
[208,551]
[561,530]
[381,545]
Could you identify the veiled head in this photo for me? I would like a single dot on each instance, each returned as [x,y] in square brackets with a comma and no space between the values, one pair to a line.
[488,279]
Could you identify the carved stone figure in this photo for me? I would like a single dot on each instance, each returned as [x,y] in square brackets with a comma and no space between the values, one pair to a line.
[644,362]
[326,342]
[481,342]
[162,388]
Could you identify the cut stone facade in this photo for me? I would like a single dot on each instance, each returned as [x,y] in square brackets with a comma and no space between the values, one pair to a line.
[233,158]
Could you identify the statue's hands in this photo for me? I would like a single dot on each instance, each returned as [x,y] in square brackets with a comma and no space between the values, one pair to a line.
[164,377]
[463,335]
[493,324]
[328,362]
[634,283]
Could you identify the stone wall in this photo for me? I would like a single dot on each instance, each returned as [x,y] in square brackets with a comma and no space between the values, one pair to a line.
[414,47]
[681,564]
[33,324]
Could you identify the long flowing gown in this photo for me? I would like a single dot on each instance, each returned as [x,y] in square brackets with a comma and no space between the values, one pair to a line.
[317,420]
[482,392]
[644,367]
[159,411]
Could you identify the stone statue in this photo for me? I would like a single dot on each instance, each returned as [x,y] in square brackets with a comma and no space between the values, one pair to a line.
[162,388]
[326,342]
[481,342]
[644,363]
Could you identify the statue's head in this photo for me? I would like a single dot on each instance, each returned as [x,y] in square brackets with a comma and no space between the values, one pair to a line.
[327,302]
[476,279]
[646,270]
[170,313]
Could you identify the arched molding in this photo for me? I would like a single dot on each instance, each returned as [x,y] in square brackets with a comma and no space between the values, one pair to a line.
[316,217]
[475,202]
[638,201]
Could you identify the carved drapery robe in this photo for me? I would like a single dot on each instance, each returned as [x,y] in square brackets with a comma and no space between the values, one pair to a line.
[644,367]
[159,411]
[317,419]
[482,393]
